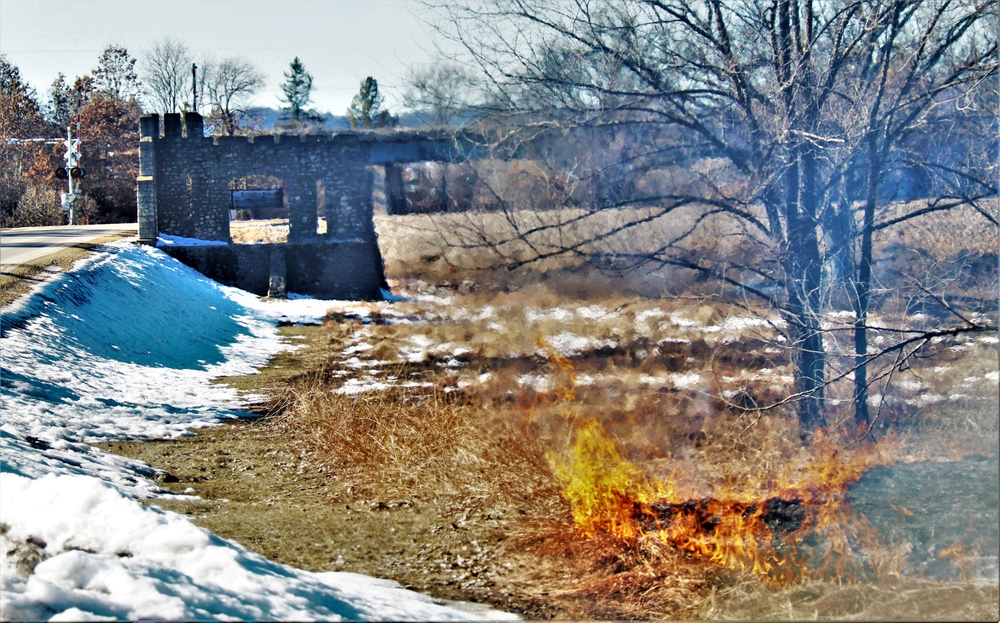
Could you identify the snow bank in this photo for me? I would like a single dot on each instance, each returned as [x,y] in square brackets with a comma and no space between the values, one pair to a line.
[163,240]
[97,554]
[126,346]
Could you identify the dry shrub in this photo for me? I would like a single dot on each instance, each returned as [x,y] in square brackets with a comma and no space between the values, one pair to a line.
[38,206]
[484,245]
[942,235]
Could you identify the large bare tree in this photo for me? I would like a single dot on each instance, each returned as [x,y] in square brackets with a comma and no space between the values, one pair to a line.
[229,86]
[166,76]
[812,108]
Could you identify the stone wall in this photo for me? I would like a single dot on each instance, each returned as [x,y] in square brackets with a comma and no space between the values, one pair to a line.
[184,190]
[334,271]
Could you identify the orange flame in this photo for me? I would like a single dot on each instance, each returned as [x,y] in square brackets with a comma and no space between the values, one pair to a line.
[753,528]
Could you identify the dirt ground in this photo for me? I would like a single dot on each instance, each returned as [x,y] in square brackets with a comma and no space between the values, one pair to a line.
[259,488]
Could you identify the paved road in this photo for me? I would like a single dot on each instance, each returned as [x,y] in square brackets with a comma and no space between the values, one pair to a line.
[25,244]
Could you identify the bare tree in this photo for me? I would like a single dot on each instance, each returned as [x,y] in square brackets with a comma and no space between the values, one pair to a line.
[810,106]
[229,86]
[166,75]
[441,92]
[115,75]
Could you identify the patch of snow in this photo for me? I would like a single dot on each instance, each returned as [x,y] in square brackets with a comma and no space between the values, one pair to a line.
[539,382]
[648,314]
[567,344]
[686,381]
[125,346]
[583,380]
[353,387]
[648,379]
[680,320]
[104,555]
[926,399]
[165,240]
[534,316]
[360,347]
[357,363]
[592,312]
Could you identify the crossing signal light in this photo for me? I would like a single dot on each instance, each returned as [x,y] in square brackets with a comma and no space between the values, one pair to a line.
[61,173]
[77,172]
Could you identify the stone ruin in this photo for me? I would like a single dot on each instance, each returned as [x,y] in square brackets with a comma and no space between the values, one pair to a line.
[184,188]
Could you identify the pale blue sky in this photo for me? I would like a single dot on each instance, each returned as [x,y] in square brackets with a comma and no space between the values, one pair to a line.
[339,41]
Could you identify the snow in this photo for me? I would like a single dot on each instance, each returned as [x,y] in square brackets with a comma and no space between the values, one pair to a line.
[567,344]
[164,240]
[125,346]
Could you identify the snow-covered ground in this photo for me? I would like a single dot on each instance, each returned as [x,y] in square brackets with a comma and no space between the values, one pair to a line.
[125,346]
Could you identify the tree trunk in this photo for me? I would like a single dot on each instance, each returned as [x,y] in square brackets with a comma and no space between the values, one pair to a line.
[862,291]
[803,275]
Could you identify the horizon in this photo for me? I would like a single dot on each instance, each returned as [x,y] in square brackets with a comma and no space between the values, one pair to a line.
[340,42]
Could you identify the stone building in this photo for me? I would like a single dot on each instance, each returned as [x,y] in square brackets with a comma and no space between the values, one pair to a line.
[184,190]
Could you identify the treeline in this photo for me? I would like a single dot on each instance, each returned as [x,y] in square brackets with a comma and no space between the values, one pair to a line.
[104,105]
[102,109]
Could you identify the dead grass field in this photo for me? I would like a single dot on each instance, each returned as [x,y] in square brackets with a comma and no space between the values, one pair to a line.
[433,440]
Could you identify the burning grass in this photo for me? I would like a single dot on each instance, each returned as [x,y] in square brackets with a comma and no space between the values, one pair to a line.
[611,434]
[613,431]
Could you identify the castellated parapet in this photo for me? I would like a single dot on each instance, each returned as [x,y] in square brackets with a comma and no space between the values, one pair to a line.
[184,190]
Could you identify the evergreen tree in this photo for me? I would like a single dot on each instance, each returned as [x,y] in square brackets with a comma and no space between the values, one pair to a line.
[20,116]
[297,85]
[366,108]
[61,104]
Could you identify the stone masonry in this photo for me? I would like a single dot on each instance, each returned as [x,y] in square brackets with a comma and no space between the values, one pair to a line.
[183,190]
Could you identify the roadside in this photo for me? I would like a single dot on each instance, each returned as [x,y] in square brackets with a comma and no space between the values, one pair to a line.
[19,280]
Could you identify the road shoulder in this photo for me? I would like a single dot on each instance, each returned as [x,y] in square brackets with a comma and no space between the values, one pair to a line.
[17,281]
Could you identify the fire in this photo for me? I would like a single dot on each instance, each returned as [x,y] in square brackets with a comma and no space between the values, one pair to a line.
[753,526]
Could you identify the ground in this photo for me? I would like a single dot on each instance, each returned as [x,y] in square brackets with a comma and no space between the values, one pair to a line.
[260,486]
[258,490]
[428,441]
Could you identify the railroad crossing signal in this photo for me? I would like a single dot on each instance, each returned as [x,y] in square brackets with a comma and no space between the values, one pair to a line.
[72,155]
[72,170]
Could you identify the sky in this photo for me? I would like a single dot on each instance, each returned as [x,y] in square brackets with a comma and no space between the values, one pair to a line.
[80,366]
[340,42]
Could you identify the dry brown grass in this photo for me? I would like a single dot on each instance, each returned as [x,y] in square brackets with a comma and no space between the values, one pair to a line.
[491,406]
[502,366]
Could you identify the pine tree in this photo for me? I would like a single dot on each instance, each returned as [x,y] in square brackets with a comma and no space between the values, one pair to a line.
[62,102]
[20,116]
[366,108]
[297,85]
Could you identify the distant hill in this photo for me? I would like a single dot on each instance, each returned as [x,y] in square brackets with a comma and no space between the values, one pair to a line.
[269,118]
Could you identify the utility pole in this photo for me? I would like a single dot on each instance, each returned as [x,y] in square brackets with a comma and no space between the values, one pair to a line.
[194,86]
